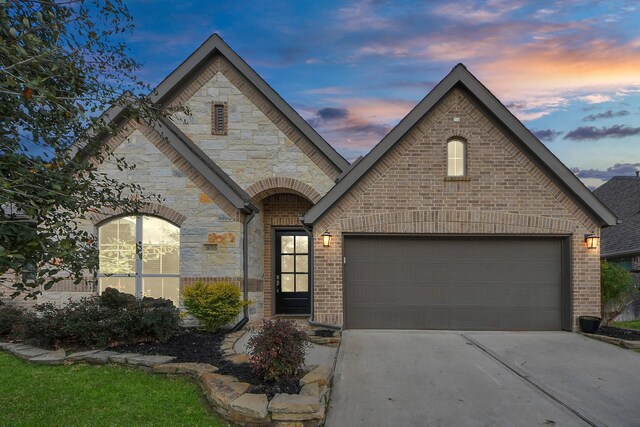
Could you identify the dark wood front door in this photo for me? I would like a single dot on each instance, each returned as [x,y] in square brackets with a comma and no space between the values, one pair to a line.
[292,272]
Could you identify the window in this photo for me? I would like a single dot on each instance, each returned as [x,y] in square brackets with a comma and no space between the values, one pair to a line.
[219,118]
[456,158]
[156,272]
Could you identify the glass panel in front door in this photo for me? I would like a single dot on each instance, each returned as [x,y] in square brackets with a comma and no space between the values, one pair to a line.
[294,263]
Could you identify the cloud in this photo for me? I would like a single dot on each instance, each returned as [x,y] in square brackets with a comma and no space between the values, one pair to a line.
[606,115]
[585,133]
[329,90]
[618,169]
[472,12]
[357,124]
[595,98]
[546,134]
[330,113]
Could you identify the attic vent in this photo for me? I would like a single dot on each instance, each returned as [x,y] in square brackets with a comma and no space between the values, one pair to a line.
[219,118]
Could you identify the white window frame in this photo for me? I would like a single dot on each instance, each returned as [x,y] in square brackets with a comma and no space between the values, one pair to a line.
[462,157]
[139,248]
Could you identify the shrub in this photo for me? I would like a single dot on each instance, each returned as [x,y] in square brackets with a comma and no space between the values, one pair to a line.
[98,321]
[213,304]
[618,290]
[278,350]
[112,298]
[10,317]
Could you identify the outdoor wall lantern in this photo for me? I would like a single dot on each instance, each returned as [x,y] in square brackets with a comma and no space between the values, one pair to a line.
[326,239]
[592,241]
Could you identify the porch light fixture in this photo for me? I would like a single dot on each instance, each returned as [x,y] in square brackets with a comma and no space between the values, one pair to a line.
[592,241]
[326,239]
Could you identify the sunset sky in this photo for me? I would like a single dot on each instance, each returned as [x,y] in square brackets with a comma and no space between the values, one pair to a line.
[569,70]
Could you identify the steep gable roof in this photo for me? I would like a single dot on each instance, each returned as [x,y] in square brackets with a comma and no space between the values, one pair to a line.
[214,45]
[203,164]
[621,194]
[461,76]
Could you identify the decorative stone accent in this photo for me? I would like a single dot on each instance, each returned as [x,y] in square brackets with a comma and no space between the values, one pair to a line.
[122,357]
[100,357]
[51,358]
[252,405]
[227,395]
[293,404]
[81,355]
[238,358]
[149,361]
[184,368]
[27,352]
[321,375]
[318,415]
[311,389]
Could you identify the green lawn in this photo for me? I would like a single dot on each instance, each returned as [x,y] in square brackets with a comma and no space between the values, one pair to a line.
[630,324]
[87,395]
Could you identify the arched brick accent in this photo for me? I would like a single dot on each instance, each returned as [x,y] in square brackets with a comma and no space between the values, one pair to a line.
[448,221]
[156,209]
[269,186]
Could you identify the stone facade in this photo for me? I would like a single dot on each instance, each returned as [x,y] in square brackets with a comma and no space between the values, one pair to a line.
[407,191]
[261,151]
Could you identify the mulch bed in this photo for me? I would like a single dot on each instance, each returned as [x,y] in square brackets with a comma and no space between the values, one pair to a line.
[621,333]
[204,347]
[325,333]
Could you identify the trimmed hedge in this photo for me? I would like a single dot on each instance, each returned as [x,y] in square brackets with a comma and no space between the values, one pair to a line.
[111,318]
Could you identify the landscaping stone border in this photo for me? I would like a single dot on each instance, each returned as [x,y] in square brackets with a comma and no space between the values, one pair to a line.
[225,393]
[632,345]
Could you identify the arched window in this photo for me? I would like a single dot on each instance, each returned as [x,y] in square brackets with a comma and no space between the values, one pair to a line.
[153,274]
[456,158]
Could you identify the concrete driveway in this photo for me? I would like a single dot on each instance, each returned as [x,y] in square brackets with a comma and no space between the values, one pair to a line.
[428,378]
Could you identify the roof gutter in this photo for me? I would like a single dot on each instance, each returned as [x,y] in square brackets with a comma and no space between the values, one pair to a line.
[245,267]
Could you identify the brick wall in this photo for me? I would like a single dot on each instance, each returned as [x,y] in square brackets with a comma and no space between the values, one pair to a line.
[407,191]
[279,210]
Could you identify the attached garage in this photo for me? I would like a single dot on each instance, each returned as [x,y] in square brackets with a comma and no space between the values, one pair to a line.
[456,282]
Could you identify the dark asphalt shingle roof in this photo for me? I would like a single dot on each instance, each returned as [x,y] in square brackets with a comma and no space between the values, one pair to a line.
[621,194]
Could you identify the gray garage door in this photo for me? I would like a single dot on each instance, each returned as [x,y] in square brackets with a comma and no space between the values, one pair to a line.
[466,283]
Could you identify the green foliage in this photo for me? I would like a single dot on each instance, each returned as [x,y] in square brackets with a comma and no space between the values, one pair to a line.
[62,63]
[9,317]
[627,324]
[278,350]
[617,290]
[100,321]
[97,396]
[213,304]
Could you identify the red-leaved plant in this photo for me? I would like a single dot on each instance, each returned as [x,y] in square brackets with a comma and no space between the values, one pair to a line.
[278,350]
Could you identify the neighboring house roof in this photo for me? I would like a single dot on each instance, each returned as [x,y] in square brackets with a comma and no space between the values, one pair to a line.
[621,194]
[215,44]
[461,76]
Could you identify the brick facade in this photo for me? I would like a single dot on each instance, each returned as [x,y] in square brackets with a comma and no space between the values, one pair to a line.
[407,191]
[279,210]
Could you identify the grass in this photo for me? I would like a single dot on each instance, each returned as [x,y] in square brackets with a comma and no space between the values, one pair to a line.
[629,324]
[88,395]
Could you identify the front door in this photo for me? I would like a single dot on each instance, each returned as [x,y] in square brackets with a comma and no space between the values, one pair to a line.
[292,272]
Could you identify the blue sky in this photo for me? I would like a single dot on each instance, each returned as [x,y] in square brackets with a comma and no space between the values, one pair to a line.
[570,70]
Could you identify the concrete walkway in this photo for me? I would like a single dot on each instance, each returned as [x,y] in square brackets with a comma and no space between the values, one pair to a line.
[316,354]
[426,378]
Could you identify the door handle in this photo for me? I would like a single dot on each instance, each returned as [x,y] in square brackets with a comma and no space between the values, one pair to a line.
[277,283]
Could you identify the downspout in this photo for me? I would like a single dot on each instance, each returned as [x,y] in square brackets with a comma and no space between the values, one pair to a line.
[312,322]
[245,269]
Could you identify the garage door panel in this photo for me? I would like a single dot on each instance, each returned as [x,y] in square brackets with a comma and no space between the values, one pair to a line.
[456,283]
